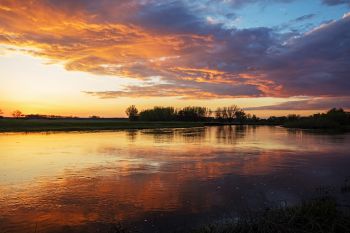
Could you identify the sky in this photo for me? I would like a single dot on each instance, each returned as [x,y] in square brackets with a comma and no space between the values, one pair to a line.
[84,57]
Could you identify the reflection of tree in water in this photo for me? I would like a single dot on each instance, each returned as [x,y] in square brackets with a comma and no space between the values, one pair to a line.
[229,134]
[193,135]
[224,134]
[316,137]
[160,135]
[132,134]
[189,135]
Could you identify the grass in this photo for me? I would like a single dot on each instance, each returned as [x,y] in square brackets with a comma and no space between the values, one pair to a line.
[37,125]
[321,124]
[323,214]
[316,216]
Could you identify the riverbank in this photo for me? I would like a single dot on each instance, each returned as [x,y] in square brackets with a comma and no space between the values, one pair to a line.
[318,124]
[42,125]
[88,124]
[313,216]
[333,120]
[322,215]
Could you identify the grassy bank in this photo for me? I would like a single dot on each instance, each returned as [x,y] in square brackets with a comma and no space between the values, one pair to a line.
[333,120]
[319,124]
[37,125]
[316,216]
[327,212]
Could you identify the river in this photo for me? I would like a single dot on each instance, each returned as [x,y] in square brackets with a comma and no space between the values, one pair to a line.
[160,180]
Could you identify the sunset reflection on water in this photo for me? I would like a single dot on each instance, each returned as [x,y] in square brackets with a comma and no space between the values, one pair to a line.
[158,179]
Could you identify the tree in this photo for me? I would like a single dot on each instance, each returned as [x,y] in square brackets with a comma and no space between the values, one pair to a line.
[337,115]
[231,111]
[158,114]
[1,112]
[255,118]
[210,112]
[224,113]
[17,114]
[240,115]
[131,112]
[293,117]
[193,113]
[218,114]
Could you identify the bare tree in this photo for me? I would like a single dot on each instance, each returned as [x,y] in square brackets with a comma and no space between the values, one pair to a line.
[218,113]
[210,112]
[17,114]
[131,112]
[224,112]
[231,111]
[240,115]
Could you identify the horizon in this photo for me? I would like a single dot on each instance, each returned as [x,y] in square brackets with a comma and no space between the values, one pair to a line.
[281,113]
[84,58]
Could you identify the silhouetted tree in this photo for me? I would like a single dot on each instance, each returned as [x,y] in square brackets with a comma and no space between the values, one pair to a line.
[131,112]
[159,114]
[293,117]
[1,112]
[276,120]
[231,111]
[338,115]
[17,114]
[224,113]
[255,118]
[240,115]
[193,113]
[210,112]
[218,113]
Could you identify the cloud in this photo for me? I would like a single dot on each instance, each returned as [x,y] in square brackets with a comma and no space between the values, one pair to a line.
[169,17]
[241,3]
[314,64]
[183,91]
[304,17]
[172,40]
[335,2]
[324,103]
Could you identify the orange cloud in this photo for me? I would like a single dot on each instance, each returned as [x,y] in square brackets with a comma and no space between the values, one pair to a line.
[106,48]
[119,49]
[145,39]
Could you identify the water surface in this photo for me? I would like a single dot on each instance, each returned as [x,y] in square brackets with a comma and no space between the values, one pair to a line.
[159,180]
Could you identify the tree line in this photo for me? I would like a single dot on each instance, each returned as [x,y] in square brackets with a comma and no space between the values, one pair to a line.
[190,113]
[18,114]
[15,114]
[333,119]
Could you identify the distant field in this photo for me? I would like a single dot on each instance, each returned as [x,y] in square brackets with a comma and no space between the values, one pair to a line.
[37,125]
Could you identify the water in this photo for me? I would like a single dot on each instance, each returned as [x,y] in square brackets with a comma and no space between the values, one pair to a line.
[160,180]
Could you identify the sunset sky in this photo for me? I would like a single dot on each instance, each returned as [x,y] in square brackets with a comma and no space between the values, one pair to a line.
[85,57]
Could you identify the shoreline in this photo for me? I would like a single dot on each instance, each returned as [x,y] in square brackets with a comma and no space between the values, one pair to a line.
[70,125]
[9,125]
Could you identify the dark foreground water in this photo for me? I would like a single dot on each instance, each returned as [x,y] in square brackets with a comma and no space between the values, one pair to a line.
[160,180]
